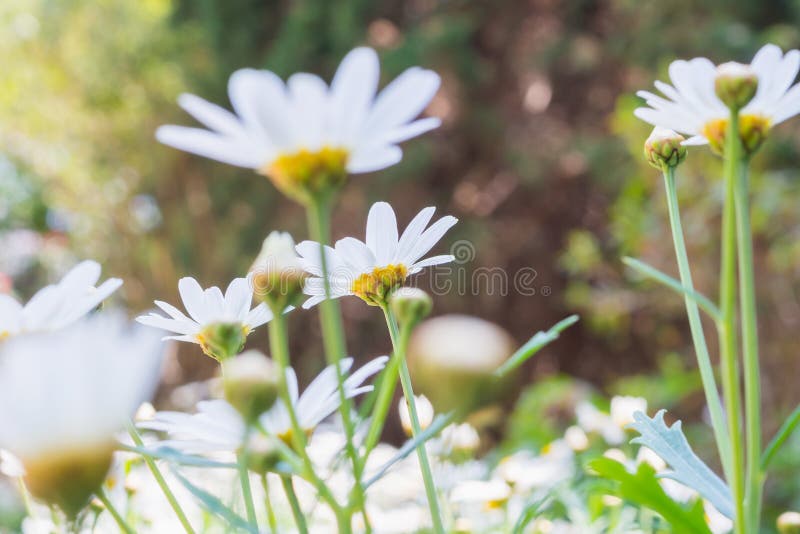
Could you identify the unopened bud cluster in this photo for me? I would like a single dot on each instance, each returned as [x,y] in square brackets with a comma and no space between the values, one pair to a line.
[250,382]
[735,84]
[664,148]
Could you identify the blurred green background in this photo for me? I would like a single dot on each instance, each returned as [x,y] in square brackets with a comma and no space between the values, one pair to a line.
[539,156]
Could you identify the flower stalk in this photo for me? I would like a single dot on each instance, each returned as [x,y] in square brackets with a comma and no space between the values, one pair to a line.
[696,326]
[400,342]
[162,483]
[727,329]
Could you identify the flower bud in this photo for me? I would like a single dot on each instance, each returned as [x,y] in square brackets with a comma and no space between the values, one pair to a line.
[250,382]
[262,453]
[460,442]
[453,357]
[735,84]
[410,305]
[68,478]
[664,149]
[789,523]
[424,414]
[278,275]
[222,340]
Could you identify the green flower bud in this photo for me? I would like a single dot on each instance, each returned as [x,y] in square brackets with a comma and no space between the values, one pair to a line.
[410,305]
[453,357]
[278,276]
[663,148]
[250,382]
[735,84]
[789,523]
[68,478]
[222,340]
[262,453]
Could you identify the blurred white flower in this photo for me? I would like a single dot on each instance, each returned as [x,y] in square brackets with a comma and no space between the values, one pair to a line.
[208,309]
[594,421]
[277,254]
[276,122]
[373,268]
[218,427]
[576,438]
[491,493]
[458,439]
[691,106]
[717,522]
[424,413]
[525,471]
[57,305]
[66,394]
[623,408]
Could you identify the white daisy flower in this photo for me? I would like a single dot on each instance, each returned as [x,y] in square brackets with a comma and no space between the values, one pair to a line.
[294,131]
[373,268]
[218,427]
[218,323]
[66,394]
[691,106]
[57,305]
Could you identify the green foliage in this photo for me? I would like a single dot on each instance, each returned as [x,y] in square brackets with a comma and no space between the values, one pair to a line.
[642,488]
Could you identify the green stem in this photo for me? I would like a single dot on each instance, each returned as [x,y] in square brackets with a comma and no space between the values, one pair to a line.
[319,217]
[752,379]
[123,526]
[400,342]
[279,346]
[162,483]
[273,523]
[297,512]
[698,335]
[247,493]
[386,387]
[727,329]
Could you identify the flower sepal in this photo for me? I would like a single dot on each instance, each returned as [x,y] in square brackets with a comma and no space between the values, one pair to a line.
[222,340]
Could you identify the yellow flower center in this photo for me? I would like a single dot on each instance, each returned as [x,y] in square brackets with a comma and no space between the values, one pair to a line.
[752,130]
[304,174]
[4,334]
[374,287]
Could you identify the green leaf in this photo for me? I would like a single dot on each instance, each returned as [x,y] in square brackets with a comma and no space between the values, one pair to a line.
[687,468]
[215,506]
[534,344]
[643,488]
[177,457]
[780,438]
[409,446]
[651,272]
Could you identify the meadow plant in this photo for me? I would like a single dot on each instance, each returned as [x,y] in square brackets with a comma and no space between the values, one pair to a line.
[264,456]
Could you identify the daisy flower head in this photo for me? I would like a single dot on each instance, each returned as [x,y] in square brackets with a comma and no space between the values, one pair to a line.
[219,323]
[66,394]
[304,134]
[218,427]
[691,105]
[372,269]
[57,305]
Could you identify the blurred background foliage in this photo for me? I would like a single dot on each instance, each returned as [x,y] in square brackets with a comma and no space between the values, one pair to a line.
[539,156]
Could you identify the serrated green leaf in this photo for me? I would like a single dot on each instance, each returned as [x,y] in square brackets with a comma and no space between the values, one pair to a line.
[643,488]
[687,468]
[534,345]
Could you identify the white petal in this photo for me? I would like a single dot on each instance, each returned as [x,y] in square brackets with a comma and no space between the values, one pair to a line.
[382,232]
[352,91]
[211,115]
[211,145]
[261,101]
[407,131]
[402,100]
[374,158]
[429,238]
[193,299]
